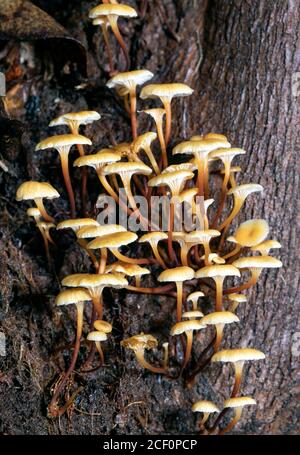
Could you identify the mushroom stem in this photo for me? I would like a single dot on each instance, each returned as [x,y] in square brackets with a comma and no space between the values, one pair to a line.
[160,134]
[223,193]
[219,292]
[99,349]
[200,177]
[133,113]
[188,348]
[219,336]
[152,160]
[138,281]
[170,232]
[141,359]
[236,250]
[64,153]
[236,418]
[40,205]
[184,254]
[157,255]
[203,420]
[238,369]
[238,203]
[97,302]
[84,179]
[253,280]
[163,290]
[46,244]
[128,260]
[114,26]
[167,106]
[54,410]
[107,187]
[83,243]
[103,260]
[179,300]
[127,188]
[107,47]
[206,253]
[166,355]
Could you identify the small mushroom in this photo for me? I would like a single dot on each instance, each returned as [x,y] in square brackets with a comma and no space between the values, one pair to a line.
[44,228]
[207,408]
[177,275]
[218,274]
[235,300]
[63,143]
[153,238]
[138,344]
[188,328]
[132,270]
[129,82]
[265,247]
[248,234]
[166,92]
[203,238]
[194,297]
[219,319]
[233,170]
[238,405]
[112,12]
[104,24]
[143,142]
[97,337]
[192,314]
[37,191]
[158,114]
[237,357]
[95,284]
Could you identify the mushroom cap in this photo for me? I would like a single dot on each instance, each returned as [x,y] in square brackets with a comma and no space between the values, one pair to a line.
[112,9]
[257,262]
[140,341]
[156,113]
[242,191]
[237,355]
[189,166]
[194,296]
[204,146]
[171,179]
[227,154]
[179,236]
[211,271]
[129,79]
[188,195]
[203,236]
[215,258]
[127,269]
[62,140]
[33,211]
[205,406]
[177,274]
[81,118]
[238,402]
[240,298]
[251,232]
[127,168]
[193,314]
[153,237]
[266,245]
[35,190]
[69,296]
[96,336]
[97,159]
[221,137]
[219,317]
[165,91]
[87,232]
[115,240]
[77,223]
[102,326]
[186,326]
[143,141]
[90,280]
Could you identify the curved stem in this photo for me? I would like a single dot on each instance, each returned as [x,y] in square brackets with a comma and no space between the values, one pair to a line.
[238,369]
[54,410]
[236,418]
[107,187]
[179,300]
[128,260]
[152,160]
[188,349]
[219,336]
[253,280]
[40,205]
[84,181]
[163,290]
[161,139]
[114,26]
[157,255]
[65,169]
[141,359]
[99,349]
[236,250]
[83,243]
[108,49]
[236,208]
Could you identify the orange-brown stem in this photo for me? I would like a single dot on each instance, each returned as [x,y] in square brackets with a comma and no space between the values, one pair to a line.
[67,179]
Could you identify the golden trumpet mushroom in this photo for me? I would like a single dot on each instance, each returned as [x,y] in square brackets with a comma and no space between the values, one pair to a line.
[238,405]
[237,357]
[153,238]
[138,344]
[235,300]
[166,92]
[265,247]
[188,328]
[177,275]
[207,408]
[37,191]
[202,238]
[129,81]
[219,319]
[218,274]
[158,114]
[143,142]
[97,337]
[194,297]
[248,234]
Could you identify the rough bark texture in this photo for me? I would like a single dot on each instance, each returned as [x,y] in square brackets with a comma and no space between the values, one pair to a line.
[240,57]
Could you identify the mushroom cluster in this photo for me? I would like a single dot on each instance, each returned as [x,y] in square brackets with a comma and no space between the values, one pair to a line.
[191,261]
